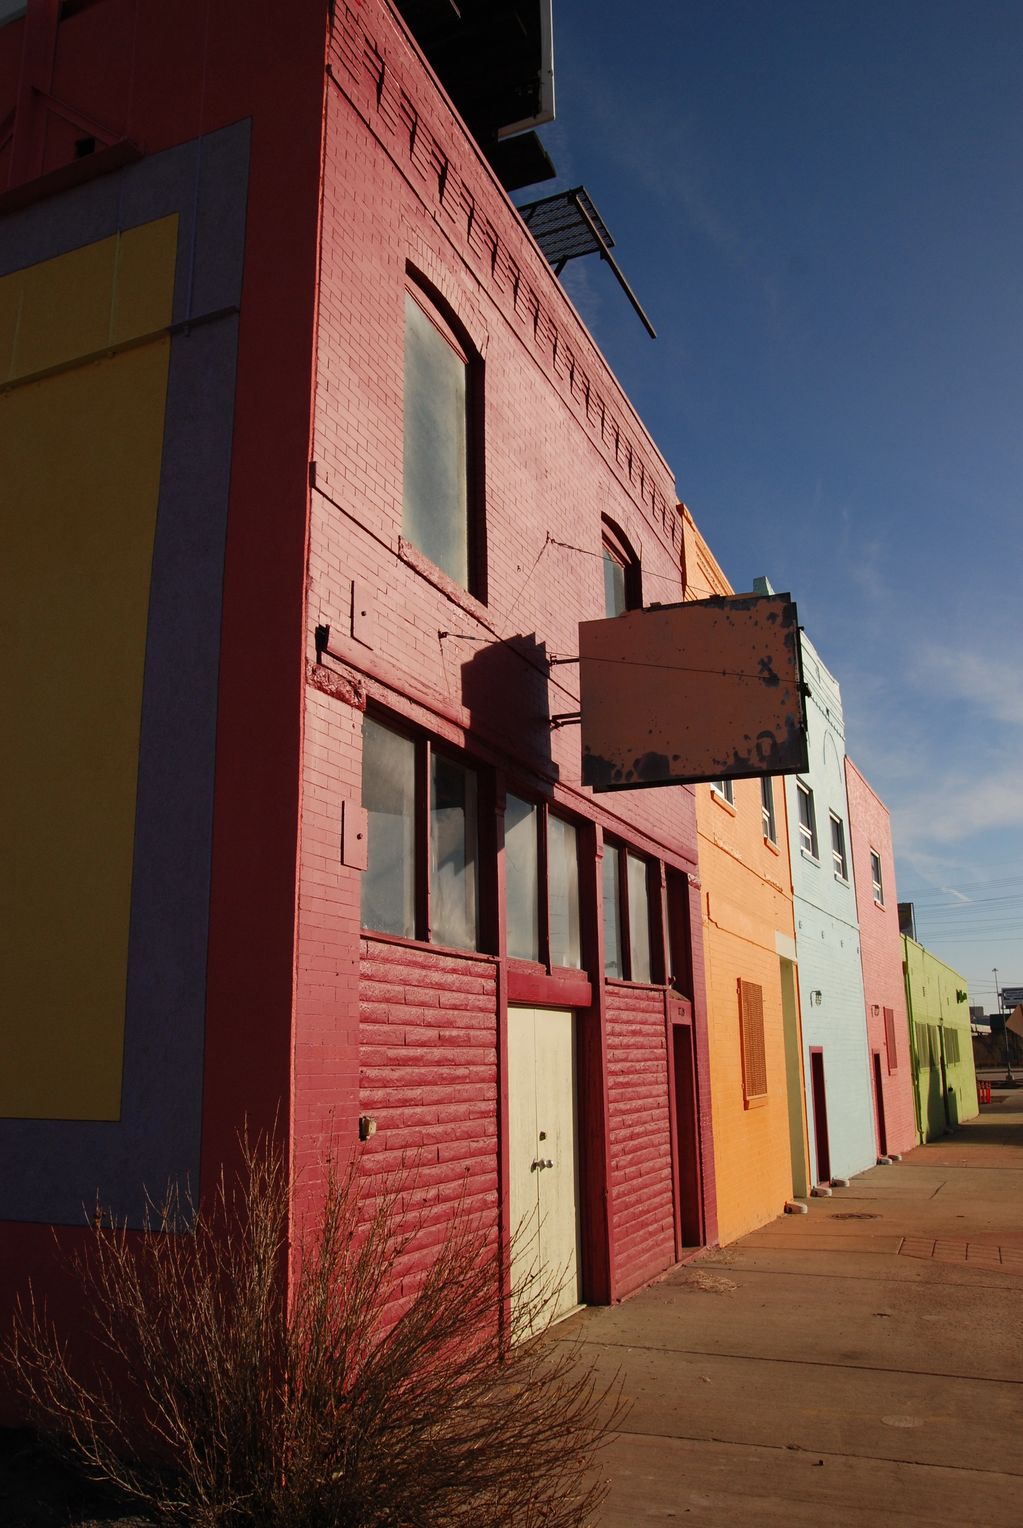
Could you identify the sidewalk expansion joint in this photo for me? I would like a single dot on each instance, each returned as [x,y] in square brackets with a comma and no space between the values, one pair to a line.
[863,1278]
[803,1363]
[788,1448]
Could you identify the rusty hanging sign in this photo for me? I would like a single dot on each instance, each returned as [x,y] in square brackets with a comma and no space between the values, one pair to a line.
[708,690]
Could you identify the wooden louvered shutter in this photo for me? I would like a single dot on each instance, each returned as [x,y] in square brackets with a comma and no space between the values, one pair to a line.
[889,1039]
[754,1057]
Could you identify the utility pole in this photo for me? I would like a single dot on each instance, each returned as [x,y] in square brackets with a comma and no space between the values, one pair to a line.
[1005,1032]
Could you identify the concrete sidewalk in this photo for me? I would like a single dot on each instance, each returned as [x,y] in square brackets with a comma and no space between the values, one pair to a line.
[859,1364]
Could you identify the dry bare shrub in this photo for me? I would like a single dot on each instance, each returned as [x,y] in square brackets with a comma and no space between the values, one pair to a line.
[216,1400]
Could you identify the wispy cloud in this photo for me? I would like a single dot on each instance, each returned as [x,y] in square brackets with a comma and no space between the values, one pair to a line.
[588,301]
[953,806]
[681,182]
[984,680]
[868,570]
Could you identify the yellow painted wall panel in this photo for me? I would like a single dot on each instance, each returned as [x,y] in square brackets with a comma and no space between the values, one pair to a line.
[87,301]
[144,281]
[10,311]
[82,452]
[65,308]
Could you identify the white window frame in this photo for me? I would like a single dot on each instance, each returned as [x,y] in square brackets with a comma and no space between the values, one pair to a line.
[767,812]
[876,877]
[807,828]
[839,854]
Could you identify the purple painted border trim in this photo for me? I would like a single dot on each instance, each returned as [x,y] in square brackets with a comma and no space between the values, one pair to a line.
[55,1168]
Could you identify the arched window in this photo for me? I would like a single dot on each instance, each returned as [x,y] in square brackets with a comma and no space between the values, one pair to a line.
[440,440]
[622,580]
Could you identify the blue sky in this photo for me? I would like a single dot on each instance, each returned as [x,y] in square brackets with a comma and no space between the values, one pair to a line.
[819,205]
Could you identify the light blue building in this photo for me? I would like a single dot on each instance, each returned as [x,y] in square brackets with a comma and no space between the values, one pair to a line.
[839,1100]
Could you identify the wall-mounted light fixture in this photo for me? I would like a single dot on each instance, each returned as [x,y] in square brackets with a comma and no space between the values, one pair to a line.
[816,997]
[875,1008]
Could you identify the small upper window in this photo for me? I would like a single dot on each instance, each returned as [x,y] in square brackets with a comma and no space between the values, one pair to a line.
[875,877]
[436,516]
[838,847]
[622,583]
[767,808]
[807,819]
[725,789]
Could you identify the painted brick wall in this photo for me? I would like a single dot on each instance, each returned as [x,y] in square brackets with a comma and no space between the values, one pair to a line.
[932,990]
[405,190]
[751,1145]
[326,1027]
[562,445]
[643,1224]
[881,954]
[746,906]
[428,1076]
[428,1071]
[827,936]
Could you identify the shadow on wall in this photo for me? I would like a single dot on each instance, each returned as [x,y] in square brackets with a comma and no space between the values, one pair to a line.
[952,1109]
[935,1112]
[506,687]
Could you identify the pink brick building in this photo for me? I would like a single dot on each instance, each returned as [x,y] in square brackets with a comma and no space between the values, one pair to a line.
[367,901]
[489,959]
[881,956]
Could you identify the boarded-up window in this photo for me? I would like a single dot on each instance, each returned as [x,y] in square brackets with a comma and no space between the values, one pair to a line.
[952,1047]
[754,1058]
[923,1044]
[928,1039]
[889,1039]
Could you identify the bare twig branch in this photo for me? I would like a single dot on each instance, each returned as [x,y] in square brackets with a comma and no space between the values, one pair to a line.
[211,1399]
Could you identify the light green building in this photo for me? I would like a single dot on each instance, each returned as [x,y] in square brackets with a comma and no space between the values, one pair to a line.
[945,1082]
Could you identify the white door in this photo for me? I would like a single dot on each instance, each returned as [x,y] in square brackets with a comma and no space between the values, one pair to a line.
[543,1165]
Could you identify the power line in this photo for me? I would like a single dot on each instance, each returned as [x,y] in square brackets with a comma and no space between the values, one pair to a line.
[983,883]
[1016,896]
[968,917]
[664,578]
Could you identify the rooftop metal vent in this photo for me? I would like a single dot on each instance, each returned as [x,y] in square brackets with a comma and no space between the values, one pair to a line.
[568,225]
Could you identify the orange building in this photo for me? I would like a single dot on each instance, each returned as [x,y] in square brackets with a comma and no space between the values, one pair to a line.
[752,993]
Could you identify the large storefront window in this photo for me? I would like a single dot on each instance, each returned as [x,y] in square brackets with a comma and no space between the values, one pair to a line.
[631,951]
[421,881]
[541,856]
[388,794]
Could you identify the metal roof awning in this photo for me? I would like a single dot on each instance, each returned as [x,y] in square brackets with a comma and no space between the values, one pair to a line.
[568,225]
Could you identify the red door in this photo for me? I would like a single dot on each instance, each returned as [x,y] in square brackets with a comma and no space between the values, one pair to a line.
[882,1134]
[820,1116]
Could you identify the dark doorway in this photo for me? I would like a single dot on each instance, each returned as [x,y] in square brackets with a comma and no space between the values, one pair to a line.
[947,1099]
[690,1209]
[820,1116]
[882,1134]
